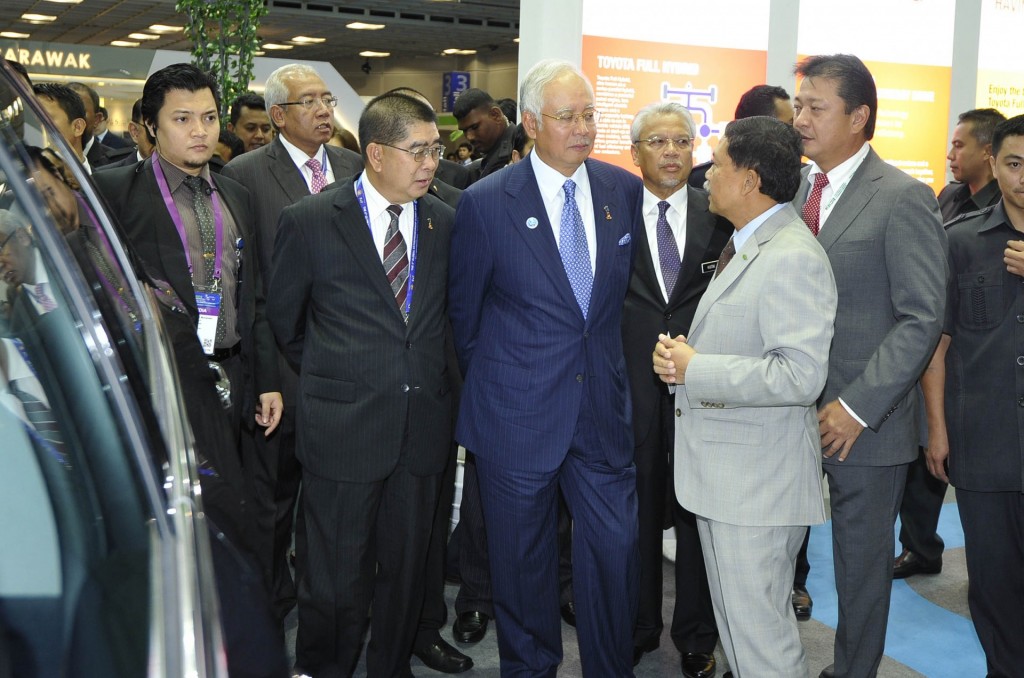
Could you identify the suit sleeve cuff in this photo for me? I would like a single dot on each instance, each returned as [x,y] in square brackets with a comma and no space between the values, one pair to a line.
[852,413]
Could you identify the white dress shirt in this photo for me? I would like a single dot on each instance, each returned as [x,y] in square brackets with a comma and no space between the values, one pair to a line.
[550,183]
[838,179]
[300,158]
[676,215]
[380,218]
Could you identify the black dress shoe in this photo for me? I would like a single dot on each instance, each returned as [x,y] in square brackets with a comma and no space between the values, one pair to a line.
[569,614]
[828,672]
[698,664]
[802,603]
[442,657]
[470,627]
[640,650]
[909,563]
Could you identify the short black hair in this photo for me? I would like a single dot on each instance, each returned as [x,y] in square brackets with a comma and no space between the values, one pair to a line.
[20,68]
[66,98]
[386,119]
[466,144]
[854,83]
[82,88]
[771,148]
[470,100]
[520,139]
[137,112]
[231,140]
[247,100]
[103,111]
[760,100]
[1014,127]
[983,123]
[509,108]
[176,76]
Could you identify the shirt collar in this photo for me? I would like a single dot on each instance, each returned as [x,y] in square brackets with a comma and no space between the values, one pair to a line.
[175,175]
[842,172]
[676,201]
[298,155]
[376,204]
[550,181]
[743,235]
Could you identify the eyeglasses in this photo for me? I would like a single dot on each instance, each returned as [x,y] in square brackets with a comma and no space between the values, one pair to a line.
[419,154]
[3,245]
[568,120]
[312,102]
[660,143]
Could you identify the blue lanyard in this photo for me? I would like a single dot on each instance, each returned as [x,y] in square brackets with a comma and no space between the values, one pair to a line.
[218,218]
[415,239]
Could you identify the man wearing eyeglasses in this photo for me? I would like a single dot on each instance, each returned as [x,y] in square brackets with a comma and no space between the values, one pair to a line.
[296,163]
[540,261]
[357,300]
[675,261]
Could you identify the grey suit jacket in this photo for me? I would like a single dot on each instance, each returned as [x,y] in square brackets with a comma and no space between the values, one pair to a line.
[885,240]
[747,450]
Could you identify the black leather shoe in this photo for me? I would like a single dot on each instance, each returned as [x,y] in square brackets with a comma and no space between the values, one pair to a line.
[470,627]
[569,614]
[908,564]
[640,650]
[698,664]
[802,603]
[442,657]
[828,672]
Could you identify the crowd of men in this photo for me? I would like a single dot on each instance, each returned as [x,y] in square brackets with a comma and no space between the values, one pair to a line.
[695,347]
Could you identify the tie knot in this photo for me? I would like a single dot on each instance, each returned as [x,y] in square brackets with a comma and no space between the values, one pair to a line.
[195,183]
[663,208]
[314,165]
[820,180]
[569,187]
[395,211]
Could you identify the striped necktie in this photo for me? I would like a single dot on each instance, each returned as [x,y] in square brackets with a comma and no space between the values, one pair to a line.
[396,258]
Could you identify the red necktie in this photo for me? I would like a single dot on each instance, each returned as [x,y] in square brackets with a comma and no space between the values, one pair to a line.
[318,183]
[812,208]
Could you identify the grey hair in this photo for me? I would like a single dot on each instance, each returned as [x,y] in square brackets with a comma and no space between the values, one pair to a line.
[660,108]
[543,73]
[276,91]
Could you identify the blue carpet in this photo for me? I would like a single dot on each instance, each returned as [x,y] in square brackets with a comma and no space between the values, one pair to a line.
[921,635]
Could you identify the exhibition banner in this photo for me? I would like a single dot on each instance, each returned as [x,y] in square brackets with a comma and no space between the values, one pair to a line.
[1000,73]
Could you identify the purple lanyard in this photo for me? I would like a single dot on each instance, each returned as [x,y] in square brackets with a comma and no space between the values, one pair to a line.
[218,218]
[415,239]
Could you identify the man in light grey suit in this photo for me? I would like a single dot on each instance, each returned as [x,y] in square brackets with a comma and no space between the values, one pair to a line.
[755,362]
[882,232]
[297,163]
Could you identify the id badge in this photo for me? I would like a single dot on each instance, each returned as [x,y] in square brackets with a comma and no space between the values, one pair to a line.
[209,309]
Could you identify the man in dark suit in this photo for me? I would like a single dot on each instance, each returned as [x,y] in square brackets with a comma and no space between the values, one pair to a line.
[541,254]
[357,299]
[143,144]
[980,397]
[97,153]
[295,164]
[675,261]
[104,135]
[882,233]
[196,234]
[486,127]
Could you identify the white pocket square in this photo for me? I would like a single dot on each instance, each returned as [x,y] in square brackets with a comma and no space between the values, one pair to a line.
[624,240]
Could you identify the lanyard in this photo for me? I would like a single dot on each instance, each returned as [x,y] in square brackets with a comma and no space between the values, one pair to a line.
[218,218]
[415,239]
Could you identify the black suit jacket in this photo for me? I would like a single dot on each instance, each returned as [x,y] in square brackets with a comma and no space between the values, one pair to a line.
[134,198]
[646,314]
[98,155]
[115,140]
[126,160]
[455,175]
[372,388]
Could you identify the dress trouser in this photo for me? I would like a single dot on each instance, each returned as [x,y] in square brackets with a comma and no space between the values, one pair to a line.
[920,509]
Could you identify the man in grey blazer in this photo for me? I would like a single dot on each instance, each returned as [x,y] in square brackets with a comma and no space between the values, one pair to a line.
[882,232]
[297,163]
[748,376]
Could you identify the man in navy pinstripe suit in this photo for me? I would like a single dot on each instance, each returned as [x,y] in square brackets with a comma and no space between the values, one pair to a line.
[357,302]
[540,261]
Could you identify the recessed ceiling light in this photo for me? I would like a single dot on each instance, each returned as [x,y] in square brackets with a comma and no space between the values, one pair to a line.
[274,45]
[65,2]
[304,40]
[515,40]
[124,43]
[143,36]
[13,35]
[371,53]
[459,52]
[164,28]
[360,26]
[38,18]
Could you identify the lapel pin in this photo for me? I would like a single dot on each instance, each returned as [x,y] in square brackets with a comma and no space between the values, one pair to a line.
[430,224]
[607,213]
[532,222]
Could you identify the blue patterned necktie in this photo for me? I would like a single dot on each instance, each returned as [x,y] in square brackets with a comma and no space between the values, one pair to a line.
[668,250]
[572,246]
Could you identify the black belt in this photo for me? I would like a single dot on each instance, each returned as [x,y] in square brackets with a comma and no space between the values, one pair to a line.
[221,354]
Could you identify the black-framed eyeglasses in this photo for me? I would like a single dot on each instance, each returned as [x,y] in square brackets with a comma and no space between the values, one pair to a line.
[661,143]
[590,118]
[419,154]
[312,102]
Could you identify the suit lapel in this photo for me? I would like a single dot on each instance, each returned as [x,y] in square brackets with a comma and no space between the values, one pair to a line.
[856,195]
[285,172]
[700,225]
[172,257]
[526,208]
[608,209]
[426,244]
[644,267]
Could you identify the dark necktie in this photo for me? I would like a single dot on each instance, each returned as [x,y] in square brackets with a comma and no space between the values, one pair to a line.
[396,259]
[572,246]
[725,258]
[208,237]
[812,208]
[668,250]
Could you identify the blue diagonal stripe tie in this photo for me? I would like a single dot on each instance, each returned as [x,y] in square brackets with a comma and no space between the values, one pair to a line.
[572,246]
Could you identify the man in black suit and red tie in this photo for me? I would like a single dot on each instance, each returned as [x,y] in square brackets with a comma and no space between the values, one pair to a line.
[358,303]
